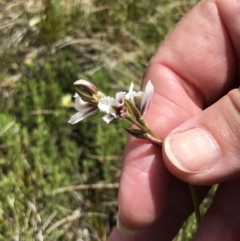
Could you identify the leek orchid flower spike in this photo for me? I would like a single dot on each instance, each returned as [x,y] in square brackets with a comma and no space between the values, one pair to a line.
[131,106]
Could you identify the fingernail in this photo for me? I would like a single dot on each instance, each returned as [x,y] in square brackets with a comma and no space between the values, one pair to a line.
[123,229]
[192,151]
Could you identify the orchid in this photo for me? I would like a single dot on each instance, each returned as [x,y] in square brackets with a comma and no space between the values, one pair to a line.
[131,106]
[141,99]
[84,110]
[146,98]
[132,95]
[113,107]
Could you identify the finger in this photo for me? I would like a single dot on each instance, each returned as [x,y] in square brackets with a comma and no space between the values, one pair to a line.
[138,190]
[166,227]
[201,54]
[205,149]
[194,66]
[222,221]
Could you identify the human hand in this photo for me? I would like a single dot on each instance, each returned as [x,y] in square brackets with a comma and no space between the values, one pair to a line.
[197,64]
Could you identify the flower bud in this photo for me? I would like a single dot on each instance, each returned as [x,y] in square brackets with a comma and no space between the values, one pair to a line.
[90,86]
[138,133]
[154,140]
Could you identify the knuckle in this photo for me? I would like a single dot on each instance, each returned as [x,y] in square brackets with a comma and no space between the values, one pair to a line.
[234,96]
[233,112]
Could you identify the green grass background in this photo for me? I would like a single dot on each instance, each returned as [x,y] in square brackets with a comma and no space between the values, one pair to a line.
[57,181]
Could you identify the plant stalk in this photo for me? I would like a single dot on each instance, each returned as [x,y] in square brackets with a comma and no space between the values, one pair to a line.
[195,204]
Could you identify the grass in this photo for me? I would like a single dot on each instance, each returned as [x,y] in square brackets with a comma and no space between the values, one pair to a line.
[59,182]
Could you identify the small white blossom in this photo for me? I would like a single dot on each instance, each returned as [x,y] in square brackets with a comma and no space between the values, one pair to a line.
[113,107]
[141,99]
[84,110]
[108,118]
[131,105]
[146,97]
[131,95]
[109,105]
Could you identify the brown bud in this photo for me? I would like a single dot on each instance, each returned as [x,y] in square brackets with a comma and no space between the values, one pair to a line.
[136,133]
[90,86]
[154,140]
[86,97]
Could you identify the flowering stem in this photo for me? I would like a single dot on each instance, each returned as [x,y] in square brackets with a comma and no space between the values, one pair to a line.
[142,125]
[195,204]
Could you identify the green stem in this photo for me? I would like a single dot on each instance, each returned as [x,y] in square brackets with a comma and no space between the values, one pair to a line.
[195,204]
[142,125]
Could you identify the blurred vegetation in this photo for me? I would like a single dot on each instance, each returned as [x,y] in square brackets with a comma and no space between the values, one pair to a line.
[45,45]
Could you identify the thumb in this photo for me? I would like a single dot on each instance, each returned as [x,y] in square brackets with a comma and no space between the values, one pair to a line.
[206,149]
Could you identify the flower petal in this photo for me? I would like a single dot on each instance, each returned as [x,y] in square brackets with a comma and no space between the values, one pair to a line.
[79,103]
[146,98]
[75,118]
[82,114]
[131,87]
[108,118]
[109,105]
[133,95]
[120,96]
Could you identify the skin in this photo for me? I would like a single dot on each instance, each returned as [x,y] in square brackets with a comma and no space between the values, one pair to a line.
[195,73]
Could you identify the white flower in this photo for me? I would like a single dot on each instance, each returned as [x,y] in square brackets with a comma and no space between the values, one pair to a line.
[146,98]
[109,105]
[113,107]
[132,103]
[141,99]
[84,110]
[132,94]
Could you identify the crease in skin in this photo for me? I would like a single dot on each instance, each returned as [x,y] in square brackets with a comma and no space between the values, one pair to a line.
[137,155]
[192,91]
[230,40]
[236,50]
[164,113]
[140,164]
[234,96]
[143,171]
[228,34]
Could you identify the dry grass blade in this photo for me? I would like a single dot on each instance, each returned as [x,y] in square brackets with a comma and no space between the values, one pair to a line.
[76,214]
[84,187]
